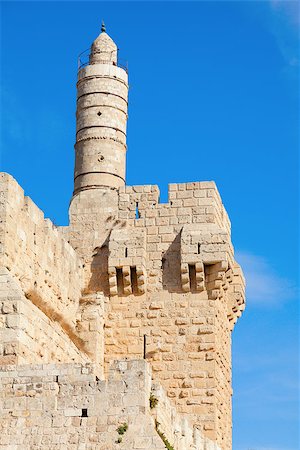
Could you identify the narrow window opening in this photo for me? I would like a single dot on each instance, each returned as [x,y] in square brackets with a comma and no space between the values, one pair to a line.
[192,275]
[56,378]
[133,279]
[120,282]
[84,412]
[126,252]
[137,213]
[99,113]
[199,248]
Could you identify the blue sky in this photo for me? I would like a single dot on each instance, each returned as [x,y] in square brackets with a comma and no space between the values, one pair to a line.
[213,95]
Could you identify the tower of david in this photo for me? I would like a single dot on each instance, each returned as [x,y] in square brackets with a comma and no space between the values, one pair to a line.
[115,331]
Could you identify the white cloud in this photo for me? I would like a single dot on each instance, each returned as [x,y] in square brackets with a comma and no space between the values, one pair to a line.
[263,285]
[289,8]
[284,24]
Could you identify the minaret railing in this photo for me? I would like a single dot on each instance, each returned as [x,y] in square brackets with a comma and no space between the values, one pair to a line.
[84,60]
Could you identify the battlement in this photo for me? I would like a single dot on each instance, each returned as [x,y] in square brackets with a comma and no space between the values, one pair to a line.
[197,202]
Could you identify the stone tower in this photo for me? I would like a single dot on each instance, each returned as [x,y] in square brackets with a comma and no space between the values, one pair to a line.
[134,299]
[102,92]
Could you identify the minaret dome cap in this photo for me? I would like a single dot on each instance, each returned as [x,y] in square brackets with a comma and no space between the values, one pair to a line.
[103,49]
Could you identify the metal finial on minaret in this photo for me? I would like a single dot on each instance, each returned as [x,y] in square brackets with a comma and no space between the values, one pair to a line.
[103,27]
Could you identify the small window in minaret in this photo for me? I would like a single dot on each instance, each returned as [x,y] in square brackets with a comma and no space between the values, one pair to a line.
[99,113]
[100,158]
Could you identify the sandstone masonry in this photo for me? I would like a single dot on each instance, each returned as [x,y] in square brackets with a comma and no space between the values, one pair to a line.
[133,300]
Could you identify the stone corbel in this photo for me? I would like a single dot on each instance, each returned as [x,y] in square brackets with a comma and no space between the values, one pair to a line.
[216,281]
[236,295]
[112,280]
[141,280]
[126,280]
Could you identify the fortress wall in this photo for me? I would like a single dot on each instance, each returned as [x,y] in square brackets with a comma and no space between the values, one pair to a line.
[27,335]
[36,254]
[187,333]
[180,334]
[65,406]
[175,426]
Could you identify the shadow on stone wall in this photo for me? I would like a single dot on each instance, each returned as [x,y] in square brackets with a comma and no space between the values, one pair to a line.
[99,269]
[171,274]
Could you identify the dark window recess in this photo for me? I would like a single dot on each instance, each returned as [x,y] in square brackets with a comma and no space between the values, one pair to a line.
[126,252]
[192,275]
[120,282]
[56,378]
[206,272]
[99,113]
[137,213]
[133,279]
[199,249]
[84,412]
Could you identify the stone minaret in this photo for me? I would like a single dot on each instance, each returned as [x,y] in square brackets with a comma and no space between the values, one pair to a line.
[101,117]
